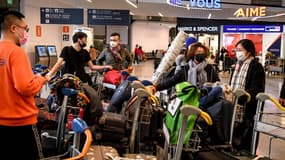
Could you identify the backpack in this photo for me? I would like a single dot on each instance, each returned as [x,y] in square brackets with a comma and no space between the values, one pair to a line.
[185,94]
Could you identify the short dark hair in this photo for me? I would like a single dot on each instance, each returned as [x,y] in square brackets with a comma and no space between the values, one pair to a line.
[79,35]
[115,34]
[248,45]
[7,18]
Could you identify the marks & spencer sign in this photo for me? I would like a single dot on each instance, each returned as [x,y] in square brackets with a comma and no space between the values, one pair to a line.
[200,29]
[196,4]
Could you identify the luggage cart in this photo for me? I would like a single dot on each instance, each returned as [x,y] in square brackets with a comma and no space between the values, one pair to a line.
[238,112]
[141,114]
[172,151]
[264,122]
[78,127]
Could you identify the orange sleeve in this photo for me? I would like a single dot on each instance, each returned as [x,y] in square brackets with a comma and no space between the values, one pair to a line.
[24,79]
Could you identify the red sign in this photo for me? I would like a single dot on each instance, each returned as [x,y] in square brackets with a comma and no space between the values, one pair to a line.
[257,40]
[65,29]
[38,31]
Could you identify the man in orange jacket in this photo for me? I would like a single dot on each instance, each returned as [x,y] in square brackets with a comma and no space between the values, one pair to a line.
[18,112]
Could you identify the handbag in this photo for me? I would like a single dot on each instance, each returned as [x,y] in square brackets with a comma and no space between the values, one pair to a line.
[112,77]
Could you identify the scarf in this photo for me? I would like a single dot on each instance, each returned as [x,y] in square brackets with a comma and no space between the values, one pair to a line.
[238,79]
[116,54]
[197,73]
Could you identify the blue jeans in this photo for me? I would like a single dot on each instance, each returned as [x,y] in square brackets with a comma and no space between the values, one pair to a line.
[213,96]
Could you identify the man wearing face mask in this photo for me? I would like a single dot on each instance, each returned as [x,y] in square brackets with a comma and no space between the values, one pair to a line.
[196,71]
[19,86]
[75,58]
[115,55]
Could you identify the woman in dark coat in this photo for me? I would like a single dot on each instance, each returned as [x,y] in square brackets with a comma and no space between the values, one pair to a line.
[197,71]
[250,76]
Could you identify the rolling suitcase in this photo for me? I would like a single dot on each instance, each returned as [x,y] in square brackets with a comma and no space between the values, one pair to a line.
[98,152]
[111,123]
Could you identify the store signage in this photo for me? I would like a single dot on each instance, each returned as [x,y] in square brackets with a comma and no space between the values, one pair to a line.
[200,29]
[250,12]
[108,17]
[209,4]
[38,31]
[61,16]
[253,28]
[275,47]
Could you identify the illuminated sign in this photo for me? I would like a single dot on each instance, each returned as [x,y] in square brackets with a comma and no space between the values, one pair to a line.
[199,29]
[196,4]
[251,12]
[253,28]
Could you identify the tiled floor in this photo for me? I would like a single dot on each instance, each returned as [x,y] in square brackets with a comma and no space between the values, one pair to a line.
[145,70]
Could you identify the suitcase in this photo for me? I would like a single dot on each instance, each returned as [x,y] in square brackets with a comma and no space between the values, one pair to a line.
[98,152]
[113,120]
[112,127]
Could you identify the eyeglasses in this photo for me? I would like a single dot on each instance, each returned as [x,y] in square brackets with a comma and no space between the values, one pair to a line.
[26,28]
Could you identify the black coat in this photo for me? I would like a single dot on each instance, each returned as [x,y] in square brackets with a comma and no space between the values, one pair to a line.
[182,74]
[254,84]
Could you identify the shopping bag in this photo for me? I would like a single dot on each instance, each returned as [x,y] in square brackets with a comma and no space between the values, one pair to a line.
[112,77]
[186,94]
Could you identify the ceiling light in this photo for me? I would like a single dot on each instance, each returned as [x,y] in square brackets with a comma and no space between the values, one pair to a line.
[188,7]
[90,1]
[160,14]
[131,3]
[131,13]
[210,15]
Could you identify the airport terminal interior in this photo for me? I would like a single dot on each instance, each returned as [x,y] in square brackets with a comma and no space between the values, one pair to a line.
[161,29]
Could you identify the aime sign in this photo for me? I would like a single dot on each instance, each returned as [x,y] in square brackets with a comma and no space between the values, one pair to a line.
[250,12]
[196,4]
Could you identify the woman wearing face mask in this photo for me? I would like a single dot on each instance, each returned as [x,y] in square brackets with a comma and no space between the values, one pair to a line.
[196,71]
[250,76]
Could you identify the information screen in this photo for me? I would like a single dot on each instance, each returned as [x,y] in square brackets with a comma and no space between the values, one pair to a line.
[41,51]
[52,50]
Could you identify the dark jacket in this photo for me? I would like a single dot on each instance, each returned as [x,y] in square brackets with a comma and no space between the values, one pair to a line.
[254,84]
[107,56]
[182,75]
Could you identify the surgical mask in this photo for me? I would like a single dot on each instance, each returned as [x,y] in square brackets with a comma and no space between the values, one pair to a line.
[200,57]
[240,55]
[22,39]
[113,44]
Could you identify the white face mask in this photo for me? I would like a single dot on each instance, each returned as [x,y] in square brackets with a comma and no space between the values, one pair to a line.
[113,44]
[240,55]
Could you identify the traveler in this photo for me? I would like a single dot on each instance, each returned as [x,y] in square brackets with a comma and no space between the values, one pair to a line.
[19,86]
[115,55]
[250,76]
[75,58]
[197,71]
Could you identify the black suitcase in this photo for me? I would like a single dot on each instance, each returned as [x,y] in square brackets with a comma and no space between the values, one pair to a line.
[112,127]
[112,120]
